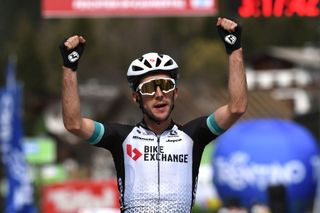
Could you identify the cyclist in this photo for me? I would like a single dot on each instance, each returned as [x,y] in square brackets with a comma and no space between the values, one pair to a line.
[157,160]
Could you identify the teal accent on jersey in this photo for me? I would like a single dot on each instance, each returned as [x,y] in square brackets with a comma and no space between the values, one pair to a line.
[97,133]
[213,126]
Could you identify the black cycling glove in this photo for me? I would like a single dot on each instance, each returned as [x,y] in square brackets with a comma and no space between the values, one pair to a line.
[71,57]
[231,40]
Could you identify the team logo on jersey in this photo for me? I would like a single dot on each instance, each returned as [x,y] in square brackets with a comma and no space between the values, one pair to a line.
[142,138]
[157,153]
[134,153]
[174,140]
[173,132]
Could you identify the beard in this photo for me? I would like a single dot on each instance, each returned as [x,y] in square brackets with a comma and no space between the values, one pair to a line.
[158,119]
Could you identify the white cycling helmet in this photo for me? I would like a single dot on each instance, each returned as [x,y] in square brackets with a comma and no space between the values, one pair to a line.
[151,63]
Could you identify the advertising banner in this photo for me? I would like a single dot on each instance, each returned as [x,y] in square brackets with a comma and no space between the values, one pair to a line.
[267,161]
[80,196]
[109,8]
[40,150]
[19,194]
[279,8]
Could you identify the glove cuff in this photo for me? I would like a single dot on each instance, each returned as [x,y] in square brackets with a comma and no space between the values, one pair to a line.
[70,58]
[231,40]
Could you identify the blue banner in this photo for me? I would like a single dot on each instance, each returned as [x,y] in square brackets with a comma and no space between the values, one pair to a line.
[19,196]
[267,161]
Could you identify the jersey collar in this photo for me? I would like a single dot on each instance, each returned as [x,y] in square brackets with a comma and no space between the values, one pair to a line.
[144,125]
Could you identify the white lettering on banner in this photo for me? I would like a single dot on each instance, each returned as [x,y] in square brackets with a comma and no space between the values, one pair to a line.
[66,200]
[12,156]
[128,4]
[315,162]
[6,103]
[238,172]
[202,3]
[23,193]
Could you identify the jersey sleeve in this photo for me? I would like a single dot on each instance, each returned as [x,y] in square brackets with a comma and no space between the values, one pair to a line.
[97,133]
[109,135]
[214,126]
[203,129]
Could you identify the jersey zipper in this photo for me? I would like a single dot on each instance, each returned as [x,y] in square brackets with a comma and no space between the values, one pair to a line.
[158,152]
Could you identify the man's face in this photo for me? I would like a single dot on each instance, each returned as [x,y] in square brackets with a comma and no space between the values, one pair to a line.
[158,105]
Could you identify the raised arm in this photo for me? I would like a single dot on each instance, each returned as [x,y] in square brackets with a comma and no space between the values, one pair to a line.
[71,51]
[228,114]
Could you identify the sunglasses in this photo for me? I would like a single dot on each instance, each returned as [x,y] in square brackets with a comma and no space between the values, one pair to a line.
[149,87]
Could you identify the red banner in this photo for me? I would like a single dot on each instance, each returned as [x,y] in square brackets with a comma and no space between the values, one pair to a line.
[80,196]
[105,8]
[277,8]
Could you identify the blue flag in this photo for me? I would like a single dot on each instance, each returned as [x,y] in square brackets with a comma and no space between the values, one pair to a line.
[19,197]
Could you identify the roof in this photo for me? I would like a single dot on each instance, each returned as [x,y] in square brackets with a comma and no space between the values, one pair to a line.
[305,57]
[204,100]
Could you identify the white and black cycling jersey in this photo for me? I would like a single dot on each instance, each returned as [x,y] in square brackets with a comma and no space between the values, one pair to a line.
[156,173]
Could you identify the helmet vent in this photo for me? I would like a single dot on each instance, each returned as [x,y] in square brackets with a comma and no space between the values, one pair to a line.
[170,62]
[158,62]
[136,68]
[151,63]
[147,63]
